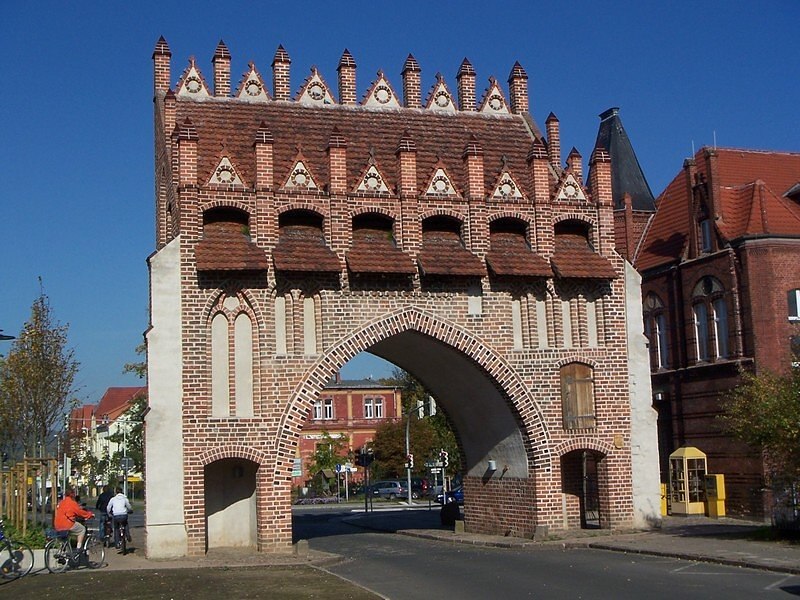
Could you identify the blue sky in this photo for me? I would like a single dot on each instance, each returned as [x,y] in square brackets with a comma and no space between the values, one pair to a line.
[76,115]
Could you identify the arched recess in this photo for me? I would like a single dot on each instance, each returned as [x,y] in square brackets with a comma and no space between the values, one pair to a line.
[487,402]
[230,483]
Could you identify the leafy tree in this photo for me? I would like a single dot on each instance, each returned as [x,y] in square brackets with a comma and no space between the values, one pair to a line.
[330,451]
[37,382]
[764,412]
[427,435]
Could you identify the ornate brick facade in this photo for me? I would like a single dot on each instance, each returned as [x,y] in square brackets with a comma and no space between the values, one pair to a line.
[293,234]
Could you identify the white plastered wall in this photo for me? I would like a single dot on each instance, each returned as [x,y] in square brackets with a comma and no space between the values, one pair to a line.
[644,432]
[166,531]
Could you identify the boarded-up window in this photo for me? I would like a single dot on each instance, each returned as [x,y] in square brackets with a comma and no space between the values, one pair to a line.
[577,396]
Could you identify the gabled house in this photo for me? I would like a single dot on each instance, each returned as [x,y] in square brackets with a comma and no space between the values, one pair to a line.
[721,291]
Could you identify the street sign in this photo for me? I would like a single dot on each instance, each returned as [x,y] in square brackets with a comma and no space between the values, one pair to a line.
[338,468]
[126,462]
[435,470]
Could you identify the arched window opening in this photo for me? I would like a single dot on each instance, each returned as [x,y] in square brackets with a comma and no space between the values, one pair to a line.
[656,331]
[710,312]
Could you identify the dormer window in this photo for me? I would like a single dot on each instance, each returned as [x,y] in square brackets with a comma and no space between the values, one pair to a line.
[705,235]
[794,305]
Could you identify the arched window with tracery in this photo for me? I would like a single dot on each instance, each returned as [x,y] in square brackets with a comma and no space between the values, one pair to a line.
[710,314]
[656,331]
[231,360]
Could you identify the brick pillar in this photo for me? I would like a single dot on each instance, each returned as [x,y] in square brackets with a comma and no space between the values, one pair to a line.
[539,173]
[265,232]
[518,89]
[412,91]
[187,181]
[466,86]
[411,233]
[340,229]
[712,170]
[601,193]
[161,69]
[478,233]
[280,74]
[170,113]
[553,142]
[574,164]
[222,70]
[347,78]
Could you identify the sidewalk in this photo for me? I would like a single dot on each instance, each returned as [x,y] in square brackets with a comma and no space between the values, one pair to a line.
[723,541]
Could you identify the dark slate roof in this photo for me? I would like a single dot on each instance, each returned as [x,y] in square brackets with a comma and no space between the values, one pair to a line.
[626,173]
[229,128]
[510,255]
[225,248]
[573,257]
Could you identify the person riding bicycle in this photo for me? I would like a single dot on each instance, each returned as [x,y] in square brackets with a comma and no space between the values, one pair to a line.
[67,514]
[118,508]
[102,507]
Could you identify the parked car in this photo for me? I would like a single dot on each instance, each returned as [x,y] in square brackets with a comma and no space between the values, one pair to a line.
[454,495]
[391,489]
[420,487]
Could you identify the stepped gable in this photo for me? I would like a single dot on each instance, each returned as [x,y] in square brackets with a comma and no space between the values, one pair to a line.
[434,134]
[753,201]
[626,176]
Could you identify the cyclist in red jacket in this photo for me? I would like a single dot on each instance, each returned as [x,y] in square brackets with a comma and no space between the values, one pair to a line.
[67,514]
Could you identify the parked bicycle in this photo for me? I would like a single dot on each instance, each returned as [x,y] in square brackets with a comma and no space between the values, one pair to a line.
[16,558]
[60,555]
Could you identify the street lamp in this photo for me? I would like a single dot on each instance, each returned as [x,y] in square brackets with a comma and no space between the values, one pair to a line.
[4,337]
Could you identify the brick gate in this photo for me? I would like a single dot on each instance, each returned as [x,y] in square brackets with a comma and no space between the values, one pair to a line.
[445,235]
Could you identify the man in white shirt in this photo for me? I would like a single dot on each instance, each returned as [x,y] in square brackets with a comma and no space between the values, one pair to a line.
[118,508]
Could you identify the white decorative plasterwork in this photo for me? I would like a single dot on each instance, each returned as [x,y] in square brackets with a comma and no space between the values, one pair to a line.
[381,94]
[372,181]
[252,88]
[225,174]
[493,100]
[571,189]
[507,188]
[192,83]
[300,177]
[315,91]
[440,184]
[440,99]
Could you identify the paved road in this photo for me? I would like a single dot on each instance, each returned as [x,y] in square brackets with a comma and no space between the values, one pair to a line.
[399,567]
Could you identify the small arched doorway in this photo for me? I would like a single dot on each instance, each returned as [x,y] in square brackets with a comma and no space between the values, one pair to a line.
[230,503]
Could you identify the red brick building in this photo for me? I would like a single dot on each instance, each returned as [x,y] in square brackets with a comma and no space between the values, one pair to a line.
[349,409]
[719,263]
[440,232]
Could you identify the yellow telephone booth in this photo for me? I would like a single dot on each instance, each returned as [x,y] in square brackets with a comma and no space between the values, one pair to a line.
[687,470]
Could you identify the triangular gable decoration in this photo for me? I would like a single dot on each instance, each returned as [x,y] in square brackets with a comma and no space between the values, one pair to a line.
[440,99]
[192,84]
[300,177]
[571,189]
[252,88]
[315,91]
[493,100]
[225,174]
[440,184]
[372,181]
[381,94]
[507,188]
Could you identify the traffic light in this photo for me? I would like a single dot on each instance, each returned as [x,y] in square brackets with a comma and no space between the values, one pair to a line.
[410,459]
[444,457]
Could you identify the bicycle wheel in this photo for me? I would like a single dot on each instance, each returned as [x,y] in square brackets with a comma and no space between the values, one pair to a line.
[17,560]
[57,555]
[95,553]
[123,539]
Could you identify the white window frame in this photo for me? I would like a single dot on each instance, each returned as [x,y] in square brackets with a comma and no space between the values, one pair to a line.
[794,305]
[701,332]
[378,408]
[720,315]
[368,413]
[327,405]
[317,410]
[662,351]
